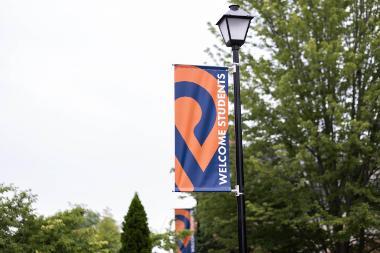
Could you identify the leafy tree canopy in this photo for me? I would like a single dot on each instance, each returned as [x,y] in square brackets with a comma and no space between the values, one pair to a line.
[18,221]
[311,98]
[135,237]
[77,230]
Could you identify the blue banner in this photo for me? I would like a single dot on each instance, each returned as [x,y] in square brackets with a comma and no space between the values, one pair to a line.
[184,220]
[201,129]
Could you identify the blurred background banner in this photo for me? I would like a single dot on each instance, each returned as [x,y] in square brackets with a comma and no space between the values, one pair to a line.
[184,221]
[201,129]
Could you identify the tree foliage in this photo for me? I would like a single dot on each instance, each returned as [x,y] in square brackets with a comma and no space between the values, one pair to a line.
[311,131]
[77,230]
[71,231]
[168,240]
[108,231]
[165,241]
[18,222]
[135,237]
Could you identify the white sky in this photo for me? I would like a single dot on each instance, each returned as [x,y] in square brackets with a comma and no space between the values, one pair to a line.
[86,99]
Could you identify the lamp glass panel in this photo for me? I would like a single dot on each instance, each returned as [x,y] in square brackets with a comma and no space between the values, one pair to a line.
[238,27]
[224,30]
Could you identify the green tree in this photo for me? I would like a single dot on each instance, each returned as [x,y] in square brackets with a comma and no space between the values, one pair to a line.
[18,221]
[168,240]
[311,130]
[135,237]
[108,231]
[165,241]
[71,231]
[77,230]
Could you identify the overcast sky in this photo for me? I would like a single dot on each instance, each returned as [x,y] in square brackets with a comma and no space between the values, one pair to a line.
[86,99]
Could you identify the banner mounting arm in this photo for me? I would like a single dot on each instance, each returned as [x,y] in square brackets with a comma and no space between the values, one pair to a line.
[237,191]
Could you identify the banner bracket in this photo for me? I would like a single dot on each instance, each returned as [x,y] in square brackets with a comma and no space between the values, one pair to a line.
[237,191]
[232,68]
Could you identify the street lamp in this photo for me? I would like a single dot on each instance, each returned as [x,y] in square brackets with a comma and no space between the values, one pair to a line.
[234,28]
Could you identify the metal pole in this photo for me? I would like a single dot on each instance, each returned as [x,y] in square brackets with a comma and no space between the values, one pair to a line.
[239,155]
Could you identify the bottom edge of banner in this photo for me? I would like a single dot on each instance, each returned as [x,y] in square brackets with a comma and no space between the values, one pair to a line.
[200,189]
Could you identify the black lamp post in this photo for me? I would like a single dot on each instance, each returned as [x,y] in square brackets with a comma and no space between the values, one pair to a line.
[234,28]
